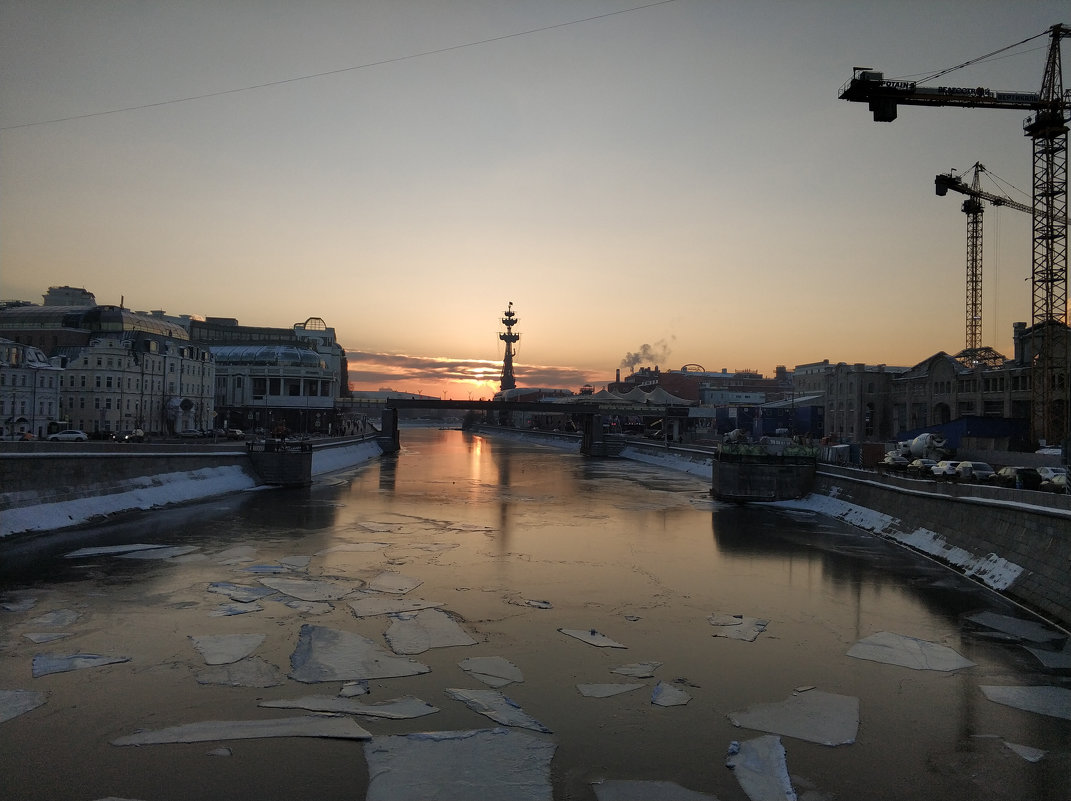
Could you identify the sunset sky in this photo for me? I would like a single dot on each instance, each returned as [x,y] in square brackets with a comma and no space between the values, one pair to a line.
[663,183]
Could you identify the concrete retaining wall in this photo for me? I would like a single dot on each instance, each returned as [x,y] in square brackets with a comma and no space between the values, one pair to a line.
[1013,541]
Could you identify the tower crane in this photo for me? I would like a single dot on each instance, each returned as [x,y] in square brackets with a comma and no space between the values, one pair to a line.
[1047,128]
[973,208]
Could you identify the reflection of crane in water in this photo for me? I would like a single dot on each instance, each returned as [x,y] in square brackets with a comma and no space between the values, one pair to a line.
[509,319]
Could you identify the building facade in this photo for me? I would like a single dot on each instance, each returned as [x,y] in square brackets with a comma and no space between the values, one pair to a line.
[29,392]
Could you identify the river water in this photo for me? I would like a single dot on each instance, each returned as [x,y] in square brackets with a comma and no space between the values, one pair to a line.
[640,554]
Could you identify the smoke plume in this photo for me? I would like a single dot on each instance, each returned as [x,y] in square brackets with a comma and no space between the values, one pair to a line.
[647,354]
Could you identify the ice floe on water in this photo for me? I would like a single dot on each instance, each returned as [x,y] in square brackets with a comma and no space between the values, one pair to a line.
[633,790]
[310,589]
[737,627]
[353,547]
[44,664]
[637,670]
[815,716]
[242,593]
[221,649]
[1045,700]
[761,768]
[898,649]
[165,552]
[494,671]
[17,702]
[109,550]
[228,610]
[1017,629]
[46,636]
[1026,752]
[354,688]
[592,637]
[606,690]
[18,601]
[394,709]
[415,633]
[251,672]
[1053,660]
[486,764]
[389,581]
[58,617]
[497,707]
[324,654]
[213,730]
[236,555]
[373,605]
[666,694]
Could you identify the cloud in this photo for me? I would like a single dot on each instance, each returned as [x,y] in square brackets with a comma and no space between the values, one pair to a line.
[369,370]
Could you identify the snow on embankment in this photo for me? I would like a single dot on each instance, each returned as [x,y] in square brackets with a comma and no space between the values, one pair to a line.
[992,570]
[140,492]
[327,460]
[696,463]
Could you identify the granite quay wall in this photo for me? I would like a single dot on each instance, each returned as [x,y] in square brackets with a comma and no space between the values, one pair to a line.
[1014,541]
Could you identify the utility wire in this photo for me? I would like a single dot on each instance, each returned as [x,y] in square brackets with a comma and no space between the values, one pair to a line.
[340,71]
[981,58]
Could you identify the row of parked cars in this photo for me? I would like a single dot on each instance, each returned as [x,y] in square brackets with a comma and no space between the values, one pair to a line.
[1046,479]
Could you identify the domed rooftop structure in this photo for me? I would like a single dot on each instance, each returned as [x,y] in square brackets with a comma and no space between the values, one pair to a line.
[264,355]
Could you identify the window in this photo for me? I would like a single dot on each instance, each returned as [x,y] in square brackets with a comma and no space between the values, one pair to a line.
[96,381]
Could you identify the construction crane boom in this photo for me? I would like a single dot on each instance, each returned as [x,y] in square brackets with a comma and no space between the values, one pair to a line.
[946,181]
[1047,127]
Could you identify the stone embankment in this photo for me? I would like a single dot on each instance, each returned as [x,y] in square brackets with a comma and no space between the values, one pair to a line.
[45,489]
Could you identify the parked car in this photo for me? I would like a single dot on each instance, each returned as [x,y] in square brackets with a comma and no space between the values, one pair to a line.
[1018,477]
[1058,483]
[1048,473]
[894,461]
[191,433]
[921,468]
[69,435]
[234,433]
[136,435]
[974,471]
[945,470]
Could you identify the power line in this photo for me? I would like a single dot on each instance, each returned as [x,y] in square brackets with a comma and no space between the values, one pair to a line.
[340,71]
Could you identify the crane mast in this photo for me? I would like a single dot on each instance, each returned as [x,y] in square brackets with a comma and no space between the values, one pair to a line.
[1047,128]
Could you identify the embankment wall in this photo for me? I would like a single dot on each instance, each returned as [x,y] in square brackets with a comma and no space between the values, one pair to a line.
[1016,542]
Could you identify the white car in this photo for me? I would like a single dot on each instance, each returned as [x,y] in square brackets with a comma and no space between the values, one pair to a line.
[1049,473]
[70,435]
[944,470]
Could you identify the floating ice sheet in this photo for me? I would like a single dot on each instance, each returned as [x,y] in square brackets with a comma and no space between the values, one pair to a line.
[592,637]
[17,702]
[167,552]
[665,694]
[251,672]
[295,562]
[395,709]
[606,690]
[909,652]
[44,664]
[228,610]
[1026,752]
[494,671]
[58,617]
[214,730]
[637,670]
[221,649]
[539,604]
[242,593]
[1053,660]
[1020,629]
[307,607]
[18,602]
[738,627]
[354,547]
[815,716]
[633,790]
[497,707]
[109,550]
[459,766]
[389,581]
[373,605]
[310,589]
[761,769]
[236,554]
[46,636]
[430,628]
[354,688]
[1045,700]
[324,654]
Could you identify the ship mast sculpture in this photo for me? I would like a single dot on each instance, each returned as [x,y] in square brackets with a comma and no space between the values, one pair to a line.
[509,319]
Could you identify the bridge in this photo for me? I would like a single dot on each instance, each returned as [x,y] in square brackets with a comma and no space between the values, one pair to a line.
[588,415]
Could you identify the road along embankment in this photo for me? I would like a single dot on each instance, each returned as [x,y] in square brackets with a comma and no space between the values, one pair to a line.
[41,491]
[1013,541]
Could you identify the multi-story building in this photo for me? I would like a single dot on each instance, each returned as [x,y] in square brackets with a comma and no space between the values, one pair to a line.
[123,370]
[268,378]
[29,391]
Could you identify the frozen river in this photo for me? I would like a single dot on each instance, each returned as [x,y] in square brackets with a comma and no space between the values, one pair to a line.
[539,565]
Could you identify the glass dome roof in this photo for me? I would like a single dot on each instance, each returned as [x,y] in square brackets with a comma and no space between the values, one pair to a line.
[268,356]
